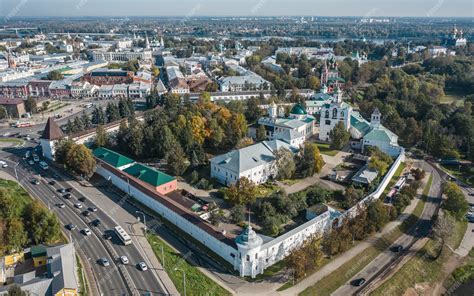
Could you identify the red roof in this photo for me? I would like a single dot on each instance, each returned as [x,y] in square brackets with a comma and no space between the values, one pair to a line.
[10,101]
[52,130]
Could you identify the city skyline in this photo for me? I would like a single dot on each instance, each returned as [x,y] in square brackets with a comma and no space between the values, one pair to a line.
[194,8]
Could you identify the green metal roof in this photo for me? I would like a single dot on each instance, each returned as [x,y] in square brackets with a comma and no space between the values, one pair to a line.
[336,79]
[298,109]
[113,158]
[378,135]
[38,251]
[148,175]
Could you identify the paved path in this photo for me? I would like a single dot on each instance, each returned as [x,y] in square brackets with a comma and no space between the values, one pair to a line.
[348,255]
[468,241]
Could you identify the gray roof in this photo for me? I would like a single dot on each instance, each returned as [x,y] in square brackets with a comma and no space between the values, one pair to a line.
[62,267]
[365,175]
[250,157]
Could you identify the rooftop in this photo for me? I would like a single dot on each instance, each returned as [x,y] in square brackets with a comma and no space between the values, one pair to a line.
[52,130]
[113,158]
[148,175]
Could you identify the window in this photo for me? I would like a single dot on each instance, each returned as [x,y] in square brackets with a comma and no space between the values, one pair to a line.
[248,258]
[342,113]
[334,113]
[327,114]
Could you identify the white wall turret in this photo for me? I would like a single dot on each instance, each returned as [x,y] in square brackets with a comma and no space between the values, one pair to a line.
[248,245]
[375,118]
[273,110]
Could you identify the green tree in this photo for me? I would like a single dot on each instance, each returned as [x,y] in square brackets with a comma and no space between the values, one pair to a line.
[54,75]
[98,116]
[43,225]
[456,204]
[16,234]
[112,112]
[80,159]
[242,192]
[124,108]
[136,137]
[61,149]
[101,138]
[339,136]
[3,112]
[377,214]
[30,105]
[285,164]
[15,290]
[177,161]
[261,133]
[237,213]
[310,160]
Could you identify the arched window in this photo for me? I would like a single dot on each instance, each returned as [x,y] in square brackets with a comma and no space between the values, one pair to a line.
[327,113]
[334,113]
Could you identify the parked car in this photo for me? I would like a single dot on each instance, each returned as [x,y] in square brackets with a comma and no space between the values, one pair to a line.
[142,266]
[30,162]
[3,164]
[124,259]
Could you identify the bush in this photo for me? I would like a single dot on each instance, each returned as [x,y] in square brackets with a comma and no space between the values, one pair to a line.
[194,177]
[204,184]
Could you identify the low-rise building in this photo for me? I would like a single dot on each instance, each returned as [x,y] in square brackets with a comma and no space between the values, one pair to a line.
[15,107]
[255,162]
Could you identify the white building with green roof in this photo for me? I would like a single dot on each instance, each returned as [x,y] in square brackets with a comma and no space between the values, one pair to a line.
[331,114]
[294,129]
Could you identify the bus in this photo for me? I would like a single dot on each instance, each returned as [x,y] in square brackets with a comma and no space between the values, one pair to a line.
[400,183]
[123,236]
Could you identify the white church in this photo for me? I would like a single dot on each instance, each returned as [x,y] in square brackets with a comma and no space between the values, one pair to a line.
[364,134]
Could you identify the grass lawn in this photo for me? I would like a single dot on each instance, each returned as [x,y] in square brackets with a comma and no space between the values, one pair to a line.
[82,282]
[325,149]
[264,190]
[196,282]
[424,267]
[465,177]
[345,272]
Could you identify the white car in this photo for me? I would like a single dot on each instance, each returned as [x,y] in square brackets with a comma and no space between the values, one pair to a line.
[3,164]
[124,259]
[78,205]
[61,205]
[30,162]
[142,266]
[86,231]
[36,158]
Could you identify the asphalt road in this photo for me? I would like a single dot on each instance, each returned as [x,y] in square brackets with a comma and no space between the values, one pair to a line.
[110,279]
[35,130]
[422,229]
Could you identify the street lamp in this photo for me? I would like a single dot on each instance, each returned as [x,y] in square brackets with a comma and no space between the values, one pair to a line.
[16,173]
[184,279]
[144,218]
[128,183]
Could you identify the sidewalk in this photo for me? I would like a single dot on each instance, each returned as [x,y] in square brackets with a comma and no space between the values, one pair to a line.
[156,265]
[348,255]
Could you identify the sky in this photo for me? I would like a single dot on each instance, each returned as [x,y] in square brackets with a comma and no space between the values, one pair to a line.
[189,8]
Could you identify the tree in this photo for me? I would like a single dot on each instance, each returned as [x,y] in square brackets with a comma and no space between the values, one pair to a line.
[3,112]
[54,75]
[377,214]
[112,112]
[136,137]
[237,213]
[16,235]
[310,160]
[124,109]
[339,136]
[86,121]
[455,204]
[241,192]
[261,133]
[443,228]
[15,290]
[101,138]
[61,149]
[98,116]
[43,225]
[80,160]
[177,161]
[30,105]
[285,164]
